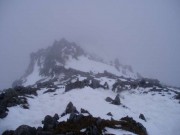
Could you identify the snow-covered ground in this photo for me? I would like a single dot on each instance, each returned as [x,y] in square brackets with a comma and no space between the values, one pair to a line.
[87,65]
[33,77]
[161,112]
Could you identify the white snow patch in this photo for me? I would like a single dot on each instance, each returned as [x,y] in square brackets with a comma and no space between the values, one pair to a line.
[117,131]
[34,76]
[94,66]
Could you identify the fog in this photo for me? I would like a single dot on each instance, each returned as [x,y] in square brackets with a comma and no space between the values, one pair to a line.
[144,34]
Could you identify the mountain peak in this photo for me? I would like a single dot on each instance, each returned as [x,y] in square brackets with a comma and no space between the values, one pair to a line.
[67,58]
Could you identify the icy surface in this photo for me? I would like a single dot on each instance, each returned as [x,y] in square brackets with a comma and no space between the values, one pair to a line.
[161,112]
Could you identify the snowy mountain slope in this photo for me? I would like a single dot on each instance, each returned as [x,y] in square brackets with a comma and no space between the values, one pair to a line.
[164,122]
[52,62]
[65,73]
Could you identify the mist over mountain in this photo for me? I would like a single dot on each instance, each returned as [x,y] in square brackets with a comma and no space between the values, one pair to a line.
[144,34]
[86,95]
[116,71]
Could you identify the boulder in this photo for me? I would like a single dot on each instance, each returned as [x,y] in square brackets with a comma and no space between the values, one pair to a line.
[106,86]
[25,106]
[129,124]
[25,130]
[141,116]
[116,101]
[95,84]
[84,111]
[92,130]
[56,117]
[50,122]
[70,108]
[108,99]
[74,117]
[109,114]
[75,85]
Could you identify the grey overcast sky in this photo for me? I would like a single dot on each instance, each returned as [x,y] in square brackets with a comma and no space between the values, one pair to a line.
[144,34]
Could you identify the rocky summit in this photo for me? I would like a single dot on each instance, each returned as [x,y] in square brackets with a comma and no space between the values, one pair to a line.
[66,90]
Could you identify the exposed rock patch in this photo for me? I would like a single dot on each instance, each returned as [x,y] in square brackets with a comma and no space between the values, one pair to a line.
[108,99]
[70,108]
[15,96]
[116,101]
[141,116]
[25,130]
[109,114]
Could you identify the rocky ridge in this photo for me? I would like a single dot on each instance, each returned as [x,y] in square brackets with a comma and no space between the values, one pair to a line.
[54,76]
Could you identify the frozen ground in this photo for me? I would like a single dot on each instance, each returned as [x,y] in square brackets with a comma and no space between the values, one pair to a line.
[161,112]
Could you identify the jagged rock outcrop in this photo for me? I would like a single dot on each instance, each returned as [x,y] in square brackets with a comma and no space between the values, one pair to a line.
[116,101]
[15,96]
[93,83]
[109,114]
[52,59]
[120,86]
[76,123]
[50,123]
[108,99]
[71,108]
[141,116]
[25,130]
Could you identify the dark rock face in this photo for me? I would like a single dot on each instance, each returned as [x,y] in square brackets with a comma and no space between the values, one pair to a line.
[116,101]
[8,132]
[109,114]
[90,82]
[44,133]
[131,125]
[177,96]
[75,85]
[47,84]
[95,84]
[70,108]
[25,130]
[92,130]
[106,86]
[3,112]
[74,117]
[120,86]
[25,106]
[50,122]
[146,82]
[47,59]
[15,96]
[96,126]
[108,99]
[84,111]
[141,116]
